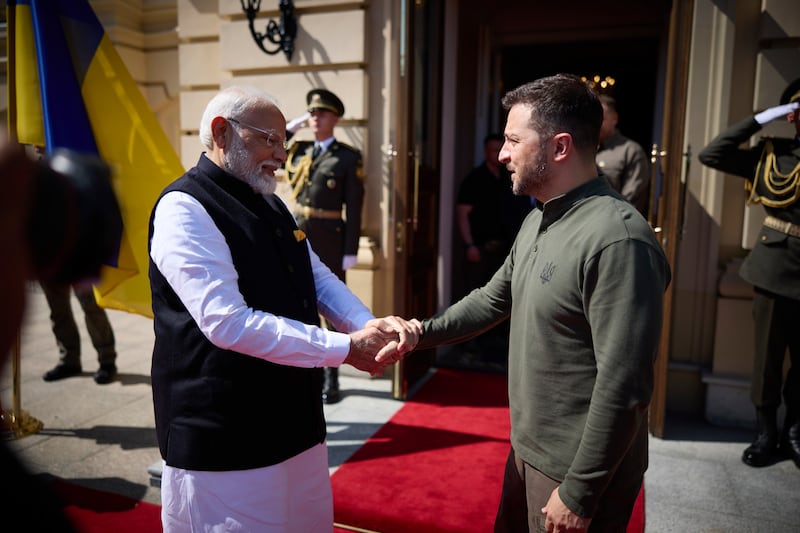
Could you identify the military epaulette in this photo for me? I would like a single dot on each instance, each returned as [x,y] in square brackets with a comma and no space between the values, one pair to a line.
[291,150]
[780,143]
[360,164]
[296,144]
[348,147]
[783,187]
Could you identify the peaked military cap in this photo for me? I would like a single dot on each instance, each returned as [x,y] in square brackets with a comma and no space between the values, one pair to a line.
[791,93]
[324,99]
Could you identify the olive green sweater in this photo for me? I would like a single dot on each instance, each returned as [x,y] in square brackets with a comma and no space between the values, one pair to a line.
[583,286]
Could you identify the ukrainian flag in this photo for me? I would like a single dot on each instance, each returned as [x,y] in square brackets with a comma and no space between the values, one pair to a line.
[68,88]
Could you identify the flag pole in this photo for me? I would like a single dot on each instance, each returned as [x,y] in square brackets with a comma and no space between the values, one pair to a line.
[17,422]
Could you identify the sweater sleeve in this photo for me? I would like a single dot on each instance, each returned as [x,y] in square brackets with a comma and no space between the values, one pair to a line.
[623,298]
[478,311]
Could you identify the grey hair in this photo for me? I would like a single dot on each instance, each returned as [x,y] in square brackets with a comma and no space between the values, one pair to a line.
[232,102]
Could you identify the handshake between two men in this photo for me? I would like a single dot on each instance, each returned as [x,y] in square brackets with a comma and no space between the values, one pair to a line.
[383,342]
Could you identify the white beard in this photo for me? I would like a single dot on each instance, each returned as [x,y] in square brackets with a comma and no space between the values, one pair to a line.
[238,161]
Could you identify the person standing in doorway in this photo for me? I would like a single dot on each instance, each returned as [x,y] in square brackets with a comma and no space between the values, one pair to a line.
[772,171]
[326,176]
[488,214]
[622,160]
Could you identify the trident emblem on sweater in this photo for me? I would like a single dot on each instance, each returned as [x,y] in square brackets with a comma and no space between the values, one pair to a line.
[547,272]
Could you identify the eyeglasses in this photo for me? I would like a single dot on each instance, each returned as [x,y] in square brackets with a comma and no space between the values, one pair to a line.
[270,137]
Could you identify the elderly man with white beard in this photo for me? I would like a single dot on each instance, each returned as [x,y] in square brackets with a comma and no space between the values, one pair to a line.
[238,355]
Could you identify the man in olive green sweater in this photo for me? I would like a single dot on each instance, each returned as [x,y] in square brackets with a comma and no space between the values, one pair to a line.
[583,287]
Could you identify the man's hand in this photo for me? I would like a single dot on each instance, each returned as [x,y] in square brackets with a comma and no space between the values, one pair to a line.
[297,123]
[561,519]
[408,331]
[382,342]
[365,344]
[768,115]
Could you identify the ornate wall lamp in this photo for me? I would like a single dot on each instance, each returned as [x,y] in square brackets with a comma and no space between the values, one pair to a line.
[281,34]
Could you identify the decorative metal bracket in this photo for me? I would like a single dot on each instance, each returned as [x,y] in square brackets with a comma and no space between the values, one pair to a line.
[282,34]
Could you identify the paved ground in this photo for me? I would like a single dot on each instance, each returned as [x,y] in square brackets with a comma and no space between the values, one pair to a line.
[103,437]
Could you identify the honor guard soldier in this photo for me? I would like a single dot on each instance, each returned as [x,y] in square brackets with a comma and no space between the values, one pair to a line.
[326,177]
[772,170]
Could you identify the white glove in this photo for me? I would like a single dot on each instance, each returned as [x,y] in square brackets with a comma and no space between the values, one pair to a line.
[349,261]
[297,123]
[768,115]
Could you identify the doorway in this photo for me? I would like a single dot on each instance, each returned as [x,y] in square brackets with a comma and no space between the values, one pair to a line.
[510,43]
[632,64]
[643,45]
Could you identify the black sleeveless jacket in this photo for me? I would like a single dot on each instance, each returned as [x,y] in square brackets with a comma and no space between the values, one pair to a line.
[216,409]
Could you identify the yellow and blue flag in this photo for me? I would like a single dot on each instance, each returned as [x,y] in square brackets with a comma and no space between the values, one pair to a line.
[68,88]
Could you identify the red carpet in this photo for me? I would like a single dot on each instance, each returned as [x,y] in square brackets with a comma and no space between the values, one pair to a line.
[96,511]
[437,465]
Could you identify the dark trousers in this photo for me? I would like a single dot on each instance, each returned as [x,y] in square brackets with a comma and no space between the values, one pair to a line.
[66,330]
[526,490]
[776,329]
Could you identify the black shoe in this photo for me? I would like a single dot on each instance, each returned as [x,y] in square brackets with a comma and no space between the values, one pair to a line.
[764,449]
[105,374]
[330,387]
[61,371]
[331,396]
[761,453]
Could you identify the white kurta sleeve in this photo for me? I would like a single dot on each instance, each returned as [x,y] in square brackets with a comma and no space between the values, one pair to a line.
[194,258]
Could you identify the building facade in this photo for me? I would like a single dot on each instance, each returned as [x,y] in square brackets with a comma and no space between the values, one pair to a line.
[421,82]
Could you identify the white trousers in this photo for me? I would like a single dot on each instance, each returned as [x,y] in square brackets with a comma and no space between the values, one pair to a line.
[294,496]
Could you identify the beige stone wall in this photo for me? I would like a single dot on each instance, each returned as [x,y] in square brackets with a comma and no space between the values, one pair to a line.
[217,50]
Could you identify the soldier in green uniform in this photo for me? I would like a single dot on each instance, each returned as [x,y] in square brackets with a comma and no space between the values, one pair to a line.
[772,170]
[326,177]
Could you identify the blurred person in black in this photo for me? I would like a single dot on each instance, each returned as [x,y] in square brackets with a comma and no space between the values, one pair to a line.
[36,219]
[65,328]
